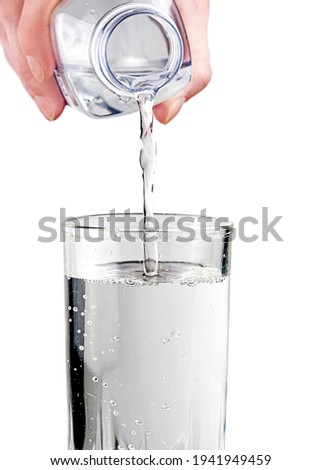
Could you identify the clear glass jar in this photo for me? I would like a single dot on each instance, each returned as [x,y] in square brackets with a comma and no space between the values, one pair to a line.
[108,50]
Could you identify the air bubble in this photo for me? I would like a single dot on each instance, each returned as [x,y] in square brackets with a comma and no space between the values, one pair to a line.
[105,384]
[95,379]
[69,308]
[116,338]
[176,334]
[166,340]
[139,422]
[120,447]
[92,11]
[166,407]
[82,314]
[115,413]
[85,296]
[124,425]
[81,348]
[131,447]
[94,358]
[111,350]
[148,432]
[89,322]
[70,320]
[75,309]
[78,331]
[165,378]
[134,432]
[113,403]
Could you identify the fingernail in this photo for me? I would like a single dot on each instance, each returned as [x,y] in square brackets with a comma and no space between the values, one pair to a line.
[45,107]
[174,109]
[36,68]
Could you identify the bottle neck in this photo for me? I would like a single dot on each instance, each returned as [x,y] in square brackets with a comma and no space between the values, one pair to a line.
[124,80]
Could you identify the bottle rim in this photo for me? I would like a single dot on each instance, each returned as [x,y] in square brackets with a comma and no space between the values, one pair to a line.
[104,30]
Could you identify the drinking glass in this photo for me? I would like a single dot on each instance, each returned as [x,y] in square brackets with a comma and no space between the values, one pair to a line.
[147,356]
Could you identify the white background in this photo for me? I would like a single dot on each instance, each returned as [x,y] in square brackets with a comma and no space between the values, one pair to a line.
[252,139]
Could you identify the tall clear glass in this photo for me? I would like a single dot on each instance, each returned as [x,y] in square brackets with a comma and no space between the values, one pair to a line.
[147,356]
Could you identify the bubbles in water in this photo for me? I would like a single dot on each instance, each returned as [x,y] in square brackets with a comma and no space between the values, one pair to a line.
[94,358]
[131,447]
[85,296]
[81,348]
[105,384]
[92,12]
[82,314]
[166,340]
[70,320]
[139,422]
[89,322]
[113,403]
[148,432]
[176,334]
[111,350]
[75,309]
[78,331]
[134,432]
[116,338]
[120,447]
[165,378]
[95,379]
[166,407]
[124,425]
[69,308]
[115,413]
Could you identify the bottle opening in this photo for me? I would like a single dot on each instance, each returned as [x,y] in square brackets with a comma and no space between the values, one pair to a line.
[136,48]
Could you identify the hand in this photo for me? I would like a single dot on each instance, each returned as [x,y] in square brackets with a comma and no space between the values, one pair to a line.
[195,14]
[25,37]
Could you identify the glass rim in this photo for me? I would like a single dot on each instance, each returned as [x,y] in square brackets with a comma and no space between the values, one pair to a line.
[94,222]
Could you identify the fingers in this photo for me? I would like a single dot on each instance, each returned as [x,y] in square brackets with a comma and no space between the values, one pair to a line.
[27,46]
[34,37]
[195,17]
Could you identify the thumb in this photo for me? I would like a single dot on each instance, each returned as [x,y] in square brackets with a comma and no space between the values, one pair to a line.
[34,37]
[195,15]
